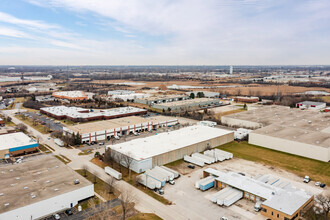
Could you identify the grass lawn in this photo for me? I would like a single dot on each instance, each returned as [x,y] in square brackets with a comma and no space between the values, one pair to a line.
[67,122]
[219,115]
[132,180]
[317,170]
[144,216]
[326,98]
[100,187]
[62,158]
[38,127]
[44,149]
[85,152]
[49,147]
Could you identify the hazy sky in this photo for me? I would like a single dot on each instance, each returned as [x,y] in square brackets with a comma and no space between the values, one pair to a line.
[164,32]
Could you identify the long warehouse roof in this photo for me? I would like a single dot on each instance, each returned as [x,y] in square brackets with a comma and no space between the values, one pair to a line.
[148,147]
[13,140]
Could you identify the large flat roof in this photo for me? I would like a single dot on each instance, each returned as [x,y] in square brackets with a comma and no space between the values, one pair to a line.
[13,140]
[75,112]
[39,177]
[287,200]
[187,102]
[290,123]
[161,97]
[71,94]
[143,148]
[115,123]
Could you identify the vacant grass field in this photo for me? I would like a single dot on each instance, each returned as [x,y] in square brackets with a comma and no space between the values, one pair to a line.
[317,170]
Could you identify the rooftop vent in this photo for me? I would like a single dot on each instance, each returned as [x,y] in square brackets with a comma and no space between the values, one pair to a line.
[294,137]
[56,189]
[25,187]
[1,194]
[18,178]
[317,142]
[32,196]
[7,204]
[11,185]
[48,181]
[11,170]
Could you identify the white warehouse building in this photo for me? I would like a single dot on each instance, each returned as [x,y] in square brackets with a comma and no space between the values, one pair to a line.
[170,146]
[40,187]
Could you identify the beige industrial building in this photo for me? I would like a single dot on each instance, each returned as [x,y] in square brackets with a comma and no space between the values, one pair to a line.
[39,187]
[171,146]
[157,99]
[185,104]
[102,130]
[291,130]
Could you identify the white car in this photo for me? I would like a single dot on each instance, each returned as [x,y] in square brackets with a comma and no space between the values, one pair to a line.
[56,216]
[223,218]
[117,137]
[317,183]
[136,134]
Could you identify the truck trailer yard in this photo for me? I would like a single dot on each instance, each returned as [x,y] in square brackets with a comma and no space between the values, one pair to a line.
[196,203]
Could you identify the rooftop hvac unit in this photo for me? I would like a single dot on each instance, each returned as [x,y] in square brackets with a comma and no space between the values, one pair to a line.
[7,204]
[25,187]
[56,189]
[1,194]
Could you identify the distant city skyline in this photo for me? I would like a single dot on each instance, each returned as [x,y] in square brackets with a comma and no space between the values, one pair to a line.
[164,32]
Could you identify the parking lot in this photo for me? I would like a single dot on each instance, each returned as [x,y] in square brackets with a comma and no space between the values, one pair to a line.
[188,199]
[45,121]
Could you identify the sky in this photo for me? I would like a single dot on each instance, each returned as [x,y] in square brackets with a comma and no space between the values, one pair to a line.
[164,32]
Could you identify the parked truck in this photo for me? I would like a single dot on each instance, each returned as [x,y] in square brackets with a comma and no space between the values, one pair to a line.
[148,181]
[257,206]
[207,184]
[195,161]
[176,174]
[157,176]
[199,182]
[161,170]
[114,173]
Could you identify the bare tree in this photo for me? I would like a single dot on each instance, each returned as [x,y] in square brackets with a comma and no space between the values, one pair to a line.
[128,161]
[111,182]
[322,205]
[94,177]
[108,157]
[126,200]
[38,138]
[34,120]
[84,170]
[22,127]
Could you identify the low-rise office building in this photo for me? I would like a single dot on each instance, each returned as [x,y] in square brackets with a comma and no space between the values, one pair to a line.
[77,114]
[246,99]
[37,188]
[103,130]
[16,144]
[206,94]
[167,147]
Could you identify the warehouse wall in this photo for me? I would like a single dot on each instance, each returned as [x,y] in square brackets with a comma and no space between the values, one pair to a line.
[233,122]
[198,147]
[292,147]
[49,206]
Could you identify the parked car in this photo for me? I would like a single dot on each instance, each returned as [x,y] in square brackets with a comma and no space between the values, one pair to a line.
[191,166]
[172,182]
[136,133]
[307,179]
[241,174]
[317,183]
[101,143]
[117,137]
[322,185]
[56,216]
[223,218]
[68,212]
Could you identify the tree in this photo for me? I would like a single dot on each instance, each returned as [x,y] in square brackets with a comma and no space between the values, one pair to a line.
[8,119]
[111,183]
[200,94]
[94,177]
[108,157]
[34,119]
[192,95]
[245,107]
[169,109]
[322,205]
[126,200]
[22,127]
[84,170]
[97,154]
[128,161]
